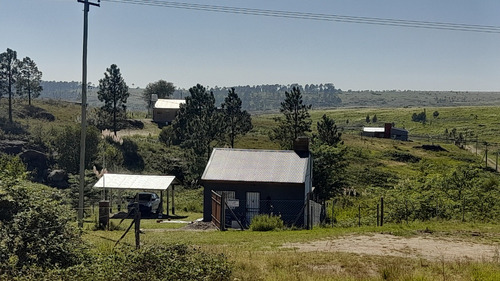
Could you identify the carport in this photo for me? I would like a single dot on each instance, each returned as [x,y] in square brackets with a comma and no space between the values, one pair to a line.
[141,182]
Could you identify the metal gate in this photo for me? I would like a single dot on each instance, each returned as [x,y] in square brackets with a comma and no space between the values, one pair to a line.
[217,210]
[253,205]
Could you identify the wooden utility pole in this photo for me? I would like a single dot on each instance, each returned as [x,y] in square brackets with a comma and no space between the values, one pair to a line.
[83,133]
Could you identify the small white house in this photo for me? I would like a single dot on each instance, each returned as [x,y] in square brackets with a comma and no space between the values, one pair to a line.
[164,110]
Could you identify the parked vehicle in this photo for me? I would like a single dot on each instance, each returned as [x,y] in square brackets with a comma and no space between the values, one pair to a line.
[149,202]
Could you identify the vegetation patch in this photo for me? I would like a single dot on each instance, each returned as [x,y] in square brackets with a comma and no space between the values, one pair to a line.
[402,156]
[266,223]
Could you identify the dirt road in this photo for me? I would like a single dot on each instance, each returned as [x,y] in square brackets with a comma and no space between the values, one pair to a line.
[429,248]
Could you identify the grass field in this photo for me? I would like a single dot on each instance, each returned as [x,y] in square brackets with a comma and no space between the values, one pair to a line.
[261,255]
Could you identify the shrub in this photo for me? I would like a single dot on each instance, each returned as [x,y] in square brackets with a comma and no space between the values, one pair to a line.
[36,229]
[266,223]
[163,262]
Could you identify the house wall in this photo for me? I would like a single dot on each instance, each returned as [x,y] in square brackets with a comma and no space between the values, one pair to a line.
[164,115]
[284,199]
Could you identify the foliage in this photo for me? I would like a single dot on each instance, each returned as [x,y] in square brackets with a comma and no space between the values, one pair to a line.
[367,119]
[329,168]
[420,117]
[266,222]
[158,262]
[435,114]
[113,91]
[67,144]
[12,170]
[198,123]
[8,74]
[296,121]
[35,229]
[29,79]
[161,88]
[328,133]
[235,121]
[374,119]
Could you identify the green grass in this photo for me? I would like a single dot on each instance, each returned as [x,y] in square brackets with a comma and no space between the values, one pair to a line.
[260,256]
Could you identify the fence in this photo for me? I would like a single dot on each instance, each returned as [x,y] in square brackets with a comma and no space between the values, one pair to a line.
[239,213]
[348,212]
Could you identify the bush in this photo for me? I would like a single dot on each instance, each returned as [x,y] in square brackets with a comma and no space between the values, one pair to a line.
[164,262]
[266,223]
[36,229]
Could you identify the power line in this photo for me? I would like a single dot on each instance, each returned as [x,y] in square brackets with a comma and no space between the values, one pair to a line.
[314,16]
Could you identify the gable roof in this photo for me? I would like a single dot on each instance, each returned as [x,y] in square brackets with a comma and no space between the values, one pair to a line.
[169,103]
[252,165]
[141,182]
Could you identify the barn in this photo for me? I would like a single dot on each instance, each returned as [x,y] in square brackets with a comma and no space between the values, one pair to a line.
[164,110]
[388,132]
[259,182]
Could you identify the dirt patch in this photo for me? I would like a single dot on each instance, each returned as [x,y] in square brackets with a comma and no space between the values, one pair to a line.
[413,247]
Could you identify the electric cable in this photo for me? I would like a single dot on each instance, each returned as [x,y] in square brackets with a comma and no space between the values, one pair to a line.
[315,16]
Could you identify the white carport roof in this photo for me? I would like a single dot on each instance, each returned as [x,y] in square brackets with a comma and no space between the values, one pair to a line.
[141,182]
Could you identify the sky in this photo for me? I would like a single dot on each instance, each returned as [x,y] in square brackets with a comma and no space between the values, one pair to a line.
[187,47]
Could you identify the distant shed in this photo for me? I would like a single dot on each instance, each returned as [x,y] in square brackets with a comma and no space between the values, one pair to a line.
[165,110]
[387,132]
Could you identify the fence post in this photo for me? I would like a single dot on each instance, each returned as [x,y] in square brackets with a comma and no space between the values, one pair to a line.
[378,215]
[359,215]
[137,226]
[223,211]
[308,214]
[333,211]
[381,211]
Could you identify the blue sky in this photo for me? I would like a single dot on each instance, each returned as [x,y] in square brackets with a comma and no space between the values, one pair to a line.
[188,47]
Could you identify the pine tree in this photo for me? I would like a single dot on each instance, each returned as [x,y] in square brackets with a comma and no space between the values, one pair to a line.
[8,73]
[235,121]
[113,91]
[198,123]
[296,121]
[29,79]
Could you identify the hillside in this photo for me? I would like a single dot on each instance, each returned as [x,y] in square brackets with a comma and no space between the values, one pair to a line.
[267,98]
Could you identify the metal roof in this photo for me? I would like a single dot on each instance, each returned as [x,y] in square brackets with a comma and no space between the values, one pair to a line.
[142,182]
[251,165]
[169,103]
[374,129]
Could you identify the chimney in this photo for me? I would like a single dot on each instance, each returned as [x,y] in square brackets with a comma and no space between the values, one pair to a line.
[387,130]
[301,146]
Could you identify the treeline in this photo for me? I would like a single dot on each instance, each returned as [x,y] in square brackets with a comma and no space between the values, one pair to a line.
[270,97]
[254,98]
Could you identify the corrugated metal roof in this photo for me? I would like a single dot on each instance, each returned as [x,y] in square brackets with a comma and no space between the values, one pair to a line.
[144,182]
[374,129]
[251,165]
[169,103]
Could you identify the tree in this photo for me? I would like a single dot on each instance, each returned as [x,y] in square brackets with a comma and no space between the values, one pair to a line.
[328,170]
[374,119]
[28,80]
[235,121]
[435,114]
[161,88]
[296,121]
[328,132]
[367,119]
[114,93]
[68,150]
[8,73]
[197,124]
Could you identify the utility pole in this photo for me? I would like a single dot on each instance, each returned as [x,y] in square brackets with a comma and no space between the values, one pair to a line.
[83,133]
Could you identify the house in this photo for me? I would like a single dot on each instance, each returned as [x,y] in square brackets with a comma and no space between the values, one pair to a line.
[164,110]
[388,132]
[260,182]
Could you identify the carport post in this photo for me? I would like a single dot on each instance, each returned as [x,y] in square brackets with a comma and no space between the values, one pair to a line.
[173,206]
[168,203]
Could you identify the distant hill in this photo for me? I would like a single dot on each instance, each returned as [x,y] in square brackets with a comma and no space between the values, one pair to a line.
[267,98]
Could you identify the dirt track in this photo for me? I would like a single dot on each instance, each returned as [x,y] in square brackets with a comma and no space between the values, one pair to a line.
[413,247]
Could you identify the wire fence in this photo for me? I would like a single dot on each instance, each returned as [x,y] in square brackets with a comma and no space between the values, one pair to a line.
[376,212]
